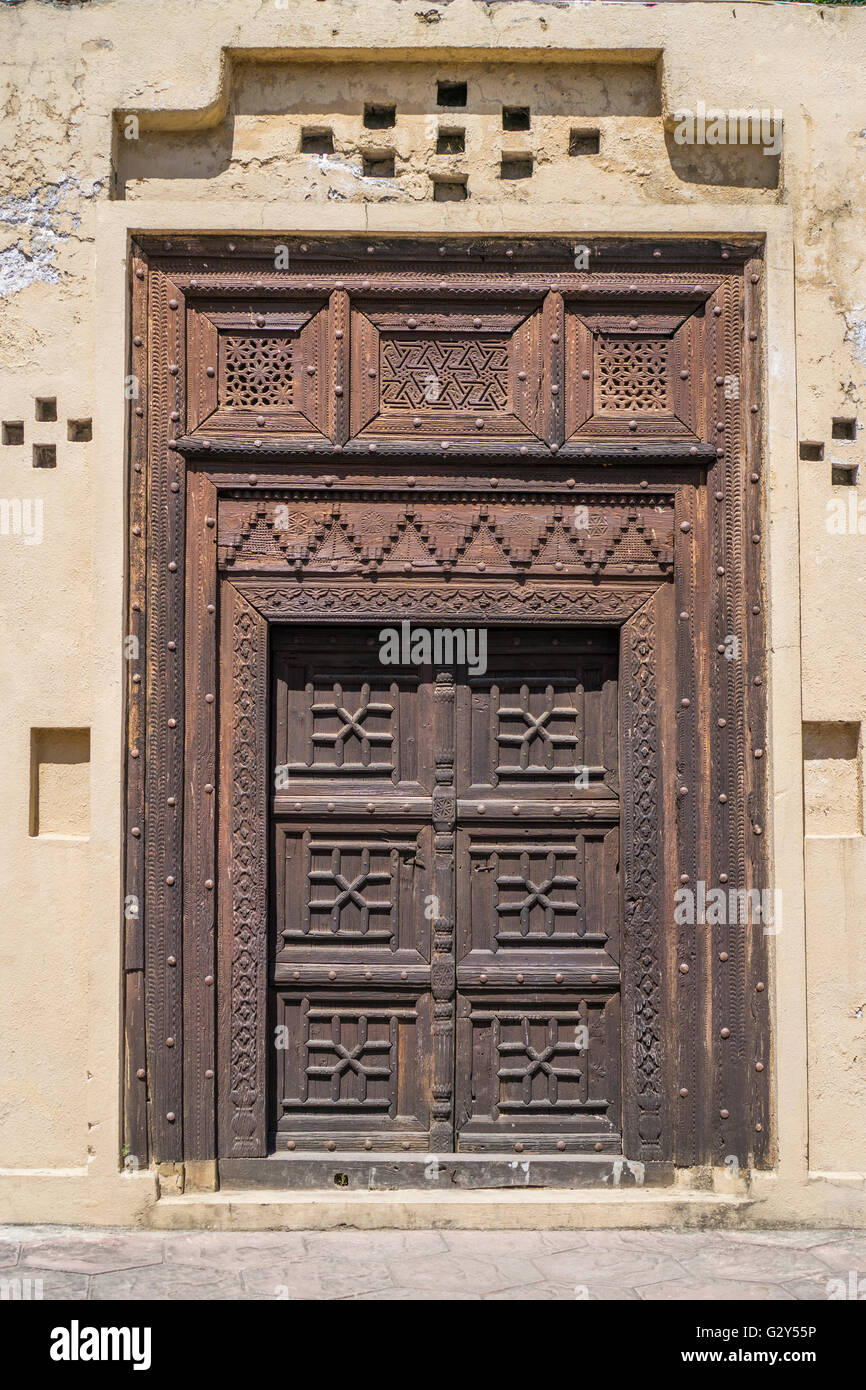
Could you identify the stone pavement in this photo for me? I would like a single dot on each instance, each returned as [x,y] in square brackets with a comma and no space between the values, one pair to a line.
[718,1265]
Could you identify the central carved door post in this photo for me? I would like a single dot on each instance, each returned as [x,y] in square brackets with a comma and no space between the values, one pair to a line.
[443,969]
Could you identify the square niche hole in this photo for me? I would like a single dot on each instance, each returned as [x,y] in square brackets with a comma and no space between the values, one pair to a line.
[46,407]
[516,166]
[811,452]
[844,429]
[451,141]
[832,780]
[515,118]
[13,431]
[380,117]
[450,93]
[450,190]
[583,142]
[44,455]
[317,141]
[60,782]
[844,474]
[379,166]
[79,431]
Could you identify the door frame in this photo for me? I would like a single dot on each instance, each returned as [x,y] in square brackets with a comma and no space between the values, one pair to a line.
[196,960]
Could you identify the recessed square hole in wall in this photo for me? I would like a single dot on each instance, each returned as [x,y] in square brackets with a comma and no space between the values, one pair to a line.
[584,142]
[844,428]
[44,455]
[79,431]
[450,190]
[451,141]
[516,166]
[380,117]
[811,452]
[46,407]
[13,431]
[317,141]
[515,118]
[844,474]
[832,779]
[379,166]
[450,93]
[60,782]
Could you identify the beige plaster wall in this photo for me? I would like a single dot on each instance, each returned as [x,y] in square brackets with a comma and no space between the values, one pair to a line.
[220,100]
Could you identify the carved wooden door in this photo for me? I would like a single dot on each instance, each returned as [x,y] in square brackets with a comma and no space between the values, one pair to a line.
[353,879]
[538,905]
[426,815]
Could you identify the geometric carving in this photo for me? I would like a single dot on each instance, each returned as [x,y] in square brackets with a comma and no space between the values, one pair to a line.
[539,1060]
[591,533]
[351,735]
[249,910]
[349,910]
[533,736]
[632,374]
[258,371]
[642,911]
[447,373]
[543,899]
[351,1056]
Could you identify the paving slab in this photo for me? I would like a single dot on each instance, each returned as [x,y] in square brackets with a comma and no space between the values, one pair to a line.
[433,1266]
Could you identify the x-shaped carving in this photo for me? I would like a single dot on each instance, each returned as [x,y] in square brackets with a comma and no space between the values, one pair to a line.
[538,1060]
[350,890]
[536,728]
[536,893]
[352,723]
[349,1059]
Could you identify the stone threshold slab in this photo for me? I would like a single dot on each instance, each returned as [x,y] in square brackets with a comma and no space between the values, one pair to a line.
[529,1209]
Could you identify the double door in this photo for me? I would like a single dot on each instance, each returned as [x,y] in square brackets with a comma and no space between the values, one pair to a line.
[445,875]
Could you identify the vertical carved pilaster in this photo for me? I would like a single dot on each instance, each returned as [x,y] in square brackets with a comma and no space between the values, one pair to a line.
[443,975]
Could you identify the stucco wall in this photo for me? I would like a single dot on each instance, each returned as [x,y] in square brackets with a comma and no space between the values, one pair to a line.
[220,100]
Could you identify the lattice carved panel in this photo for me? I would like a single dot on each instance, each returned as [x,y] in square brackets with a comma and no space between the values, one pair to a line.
[257,371]
[639,372]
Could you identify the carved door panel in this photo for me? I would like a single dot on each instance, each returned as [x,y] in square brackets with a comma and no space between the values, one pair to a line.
[352,865]
[538,904]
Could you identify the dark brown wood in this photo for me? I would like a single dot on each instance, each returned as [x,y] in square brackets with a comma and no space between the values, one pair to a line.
[243,901]
[477,435]
[200,864]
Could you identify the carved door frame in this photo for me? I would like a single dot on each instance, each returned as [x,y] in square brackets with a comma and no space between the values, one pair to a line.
[695,1011]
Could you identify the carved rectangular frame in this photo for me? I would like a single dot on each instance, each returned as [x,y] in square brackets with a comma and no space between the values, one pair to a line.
[696,1022]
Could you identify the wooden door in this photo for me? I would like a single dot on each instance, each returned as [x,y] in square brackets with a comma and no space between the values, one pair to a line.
[413,800]
[352,858]
[538,904]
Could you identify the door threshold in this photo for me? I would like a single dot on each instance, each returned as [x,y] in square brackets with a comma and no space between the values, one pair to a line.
[439,1172]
